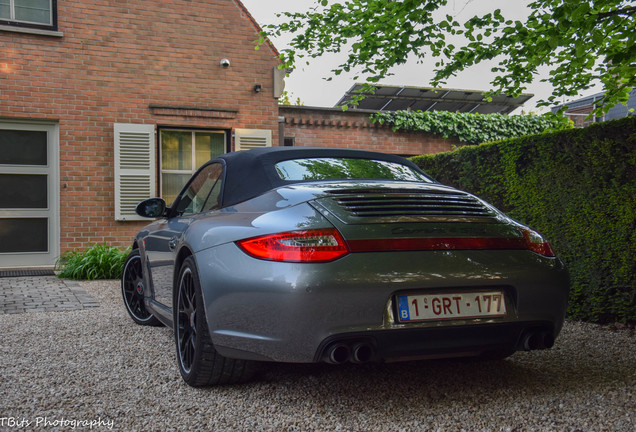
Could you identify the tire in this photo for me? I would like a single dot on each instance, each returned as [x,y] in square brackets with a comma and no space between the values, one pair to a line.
[132,290]
[199,362]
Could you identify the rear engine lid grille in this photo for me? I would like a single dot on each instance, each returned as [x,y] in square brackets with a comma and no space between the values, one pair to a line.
[402,205]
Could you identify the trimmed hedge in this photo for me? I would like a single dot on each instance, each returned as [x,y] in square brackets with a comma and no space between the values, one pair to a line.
[578,188]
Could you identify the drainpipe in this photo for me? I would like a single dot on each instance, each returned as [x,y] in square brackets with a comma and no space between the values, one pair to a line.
[281,131]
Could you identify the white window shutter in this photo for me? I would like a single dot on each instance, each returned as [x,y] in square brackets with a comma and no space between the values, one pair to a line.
[134,168]
[246,139]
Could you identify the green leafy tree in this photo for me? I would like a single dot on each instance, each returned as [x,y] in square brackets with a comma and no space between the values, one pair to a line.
[583,42]
[286,99]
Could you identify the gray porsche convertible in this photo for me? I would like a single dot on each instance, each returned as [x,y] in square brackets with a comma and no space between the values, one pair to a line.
[330,255]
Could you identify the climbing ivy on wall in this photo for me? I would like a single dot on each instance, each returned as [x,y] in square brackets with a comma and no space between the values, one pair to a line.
[471,128]
[578,188]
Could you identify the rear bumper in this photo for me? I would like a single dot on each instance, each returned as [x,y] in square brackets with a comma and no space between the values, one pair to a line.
[293,312]
[426,343]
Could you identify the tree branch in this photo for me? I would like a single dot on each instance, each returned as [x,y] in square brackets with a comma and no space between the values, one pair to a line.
[626,11]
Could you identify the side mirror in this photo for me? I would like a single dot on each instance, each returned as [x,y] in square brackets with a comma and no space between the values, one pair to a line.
[151,208]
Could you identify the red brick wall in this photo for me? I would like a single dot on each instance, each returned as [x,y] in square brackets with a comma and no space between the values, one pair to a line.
[579,115]
[114,60]
[329,127]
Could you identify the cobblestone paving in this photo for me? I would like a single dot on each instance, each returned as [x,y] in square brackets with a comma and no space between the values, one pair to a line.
[42,294]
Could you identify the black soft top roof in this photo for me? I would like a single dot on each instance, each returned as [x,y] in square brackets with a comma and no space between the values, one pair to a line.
[251,173]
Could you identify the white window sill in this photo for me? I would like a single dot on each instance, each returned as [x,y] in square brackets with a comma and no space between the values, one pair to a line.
[28,30]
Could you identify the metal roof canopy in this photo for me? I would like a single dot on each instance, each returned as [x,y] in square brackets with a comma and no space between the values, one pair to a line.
[395,98]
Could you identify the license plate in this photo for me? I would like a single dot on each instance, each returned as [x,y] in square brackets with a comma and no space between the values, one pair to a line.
[430,307]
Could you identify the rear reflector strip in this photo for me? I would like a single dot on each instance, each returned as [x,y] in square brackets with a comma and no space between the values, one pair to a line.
[428,244]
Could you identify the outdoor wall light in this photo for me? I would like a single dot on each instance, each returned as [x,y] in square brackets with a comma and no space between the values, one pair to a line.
[258,88]
[225,63]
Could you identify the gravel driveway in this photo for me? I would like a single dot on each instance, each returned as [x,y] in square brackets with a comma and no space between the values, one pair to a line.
[94,369]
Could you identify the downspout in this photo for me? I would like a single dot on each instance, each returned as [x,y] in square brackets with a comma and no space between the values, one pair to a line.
[281,131]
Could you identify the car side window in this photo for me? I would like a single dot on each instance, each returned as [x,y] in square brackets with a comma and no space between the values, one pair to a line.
[204,191]
[214,196]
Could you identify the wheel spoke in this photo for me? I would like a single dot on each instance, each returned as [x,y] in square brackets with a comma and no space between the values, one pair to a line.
[136,271]
[188,307]
[128,295]
[139,307]
[134,304]
[188,351]
[186,321]
[186,346]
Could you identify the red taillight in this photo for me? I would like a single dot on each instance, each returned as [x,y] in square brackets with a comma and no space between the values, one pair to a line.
[325,245]
[298,246]
[536,243]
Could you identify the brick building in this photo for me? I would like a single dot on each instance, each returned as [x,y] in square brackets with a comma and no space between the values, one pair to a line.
[103,103]
[579,110]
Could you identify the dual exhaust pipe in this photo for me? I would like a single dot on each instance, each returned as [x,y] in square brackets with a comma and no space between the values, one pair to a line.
[362,352]
[340,352]
[537,340]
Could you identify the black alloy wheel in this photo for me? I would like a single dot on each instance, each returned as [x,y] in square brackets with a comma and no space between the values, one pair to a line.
[186,321]
[132,289]
[199,362]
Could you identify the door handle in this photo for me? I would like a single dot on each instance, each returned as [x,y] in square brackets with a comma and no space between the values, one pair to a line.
[172,243]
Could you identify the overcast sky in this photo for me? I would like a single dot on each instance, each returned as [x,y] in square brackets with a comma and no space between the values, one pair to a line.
[308,83]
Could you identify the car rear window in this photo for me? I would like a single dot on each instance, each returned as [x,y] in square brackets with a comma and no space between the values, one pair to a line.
[346,168]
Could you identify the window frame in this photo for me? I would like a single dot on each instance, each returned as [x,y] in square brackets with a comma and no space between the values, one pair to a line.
[12,22]
[194,169]
[52,211]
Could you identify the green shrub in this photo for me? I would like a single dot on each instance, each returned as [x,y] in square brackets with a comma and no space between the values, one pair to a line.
[97,262]
[471,128]
[578,187]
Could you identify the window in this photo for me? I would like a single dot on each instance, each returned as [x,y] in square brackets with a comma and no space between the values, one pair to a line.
[346,168]
[182,153]
[204,192]
[29,13]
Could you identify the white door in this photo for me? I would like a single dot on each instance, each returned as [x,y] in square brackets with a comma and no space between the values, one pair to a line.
[29,221]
